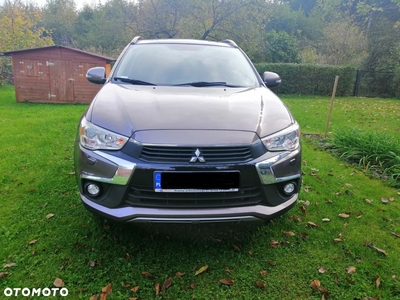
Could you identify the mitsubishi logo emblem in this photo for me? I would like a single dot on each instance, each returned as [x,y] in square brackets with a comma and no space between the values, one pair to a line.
[197,157]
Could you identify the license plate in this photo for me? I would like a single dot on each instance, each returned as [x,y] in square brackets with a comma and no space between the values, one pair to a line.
[197,182]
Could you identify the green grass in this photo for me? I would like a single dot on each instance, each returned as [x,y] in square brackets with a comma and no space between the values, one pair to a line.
[363,131]
[370,114]
[36,180]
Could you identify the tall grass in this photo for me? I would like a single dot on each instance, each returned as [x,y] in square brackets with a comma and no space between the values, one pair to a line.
[371,150]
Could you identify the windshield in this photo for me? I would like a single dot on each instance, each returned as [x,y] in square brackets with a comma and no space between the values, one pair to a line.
[185,64]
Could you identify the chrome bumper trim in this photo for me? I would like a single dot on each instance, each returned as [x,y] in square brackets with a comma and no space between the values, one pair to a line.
[141,214]
[266,173]
[122,175]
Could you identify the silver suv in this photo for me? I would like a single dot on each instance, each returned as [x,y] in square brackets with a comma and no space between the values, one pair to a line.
[187,131]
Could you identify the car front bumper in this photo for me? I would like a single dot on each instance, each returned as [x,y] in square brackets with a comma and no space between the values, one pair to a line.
[119,174]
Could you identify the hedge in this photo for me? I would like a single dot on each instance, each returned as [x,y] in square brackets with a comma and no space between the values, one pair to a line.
[306,79]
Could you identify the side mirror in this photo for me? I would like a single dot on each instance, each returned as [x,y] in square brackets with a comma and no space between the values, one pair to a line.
[96,75]
[271,79]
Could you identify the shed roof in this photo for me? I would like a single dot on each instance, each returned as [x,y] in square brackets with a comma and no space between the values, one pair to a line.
[10,53]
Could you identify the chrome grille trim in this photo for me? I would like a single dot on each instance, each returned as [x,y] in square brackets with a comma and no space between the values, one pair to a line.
[225,154]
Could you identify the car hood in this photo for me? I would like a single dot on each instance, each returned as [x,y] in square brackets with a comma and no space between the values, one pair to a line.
[129,109]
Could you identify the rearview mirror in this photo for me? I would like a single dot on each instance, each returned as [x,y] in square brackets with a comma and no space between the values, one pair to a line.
[96,75]
[271,79]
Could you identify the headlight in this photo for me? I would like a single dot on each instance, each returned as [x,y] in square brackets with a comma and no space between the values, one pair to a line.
[94,137]
[287,139]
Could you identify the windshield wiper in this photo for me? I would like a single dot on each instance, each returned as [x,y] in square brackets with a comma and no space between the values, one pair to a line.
[133,81]
[206,83]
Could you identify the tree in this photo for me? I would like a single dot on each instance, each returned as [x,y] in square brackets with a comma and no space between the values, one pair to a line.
[105,29]
[19,30]
[59,16]
[379,22]
[281,47]
[19,27]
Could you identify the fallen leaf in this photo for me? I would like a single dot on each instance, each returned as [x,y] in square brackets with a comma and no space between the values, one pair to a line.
[33,242]
[322,270]
[9,265]
[345,216]
[261,285]
[303,209]
[3,274]
[272,264]
[147,274]
[307,203]
[236,248]
[274,244]
[135,289]
[94,297]
[394,277]
[192,286]
[380,250]
[337,240]
[201,270]
[92,263]
[315,284]
[58,283]
[157,288]
[368,201]
[351,270]
[289,233]
[133,298]
[349,280]
[312,224]
[179,274]
[384,200]
[229,271]
[264,273]
[227,281]
[167,283]
[395,234]
[216,240]
[326,220]
[391,198]
[106,291]
[49,216]
[378,281]
[304,235]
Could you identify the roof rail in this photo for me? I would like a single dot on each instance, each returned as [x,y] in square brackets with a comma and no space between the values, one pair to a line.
[136,39]
[230,42]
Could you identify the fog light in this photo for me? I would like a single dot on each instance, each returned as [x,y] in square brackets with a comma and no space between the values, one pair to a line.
[93,189]
[289,188]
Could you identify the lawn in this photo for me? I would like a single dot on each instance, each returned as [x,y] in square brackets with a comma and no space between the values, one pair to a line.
[343,233]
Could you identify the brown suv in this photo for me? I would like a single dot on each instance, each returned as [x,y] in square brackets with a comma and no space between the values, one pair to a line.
[187,131]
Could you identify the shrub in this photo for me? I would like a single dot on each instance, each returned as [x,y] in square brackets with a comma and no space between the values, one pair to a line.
[373,151]
[307,79]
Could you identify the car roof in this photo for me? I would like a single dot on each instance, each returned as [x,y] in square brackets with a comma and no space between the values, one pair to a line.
[224,43]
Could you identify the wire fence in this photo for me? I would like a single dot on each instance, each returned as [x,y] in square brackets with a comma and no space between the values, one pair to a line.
[370,83]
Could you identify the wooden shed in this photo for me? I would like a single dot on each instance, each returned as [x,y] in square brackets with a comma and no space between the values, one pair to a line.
[55,74]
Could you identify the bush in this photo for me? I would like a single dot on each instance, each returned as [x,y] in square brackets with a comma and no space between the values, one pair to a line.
[307,79]
[373,151]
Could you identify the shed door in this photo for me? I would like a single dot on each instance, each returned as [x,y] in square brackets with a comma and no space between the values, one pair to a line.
[61,81]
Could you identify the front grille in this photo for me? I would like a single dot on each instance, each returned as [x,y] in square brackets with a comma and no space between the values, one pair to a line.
[163,154]
[147,197]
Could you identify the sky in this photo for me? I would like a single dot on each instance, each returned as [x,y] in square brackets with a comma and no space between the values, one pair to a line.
[79,3]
